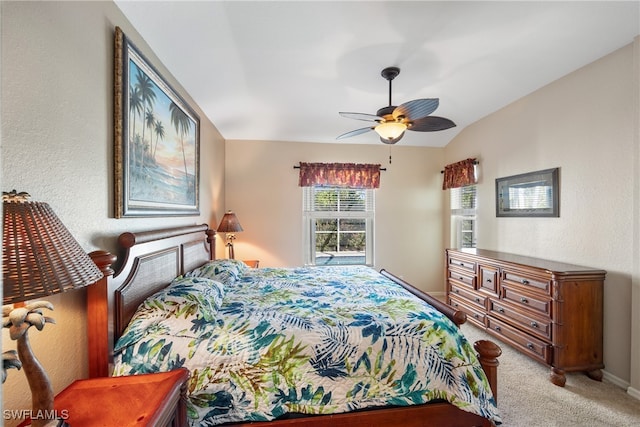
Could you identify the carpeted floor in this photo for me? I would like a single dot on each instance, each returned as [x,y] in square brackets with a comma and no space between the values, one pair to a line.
[526,397]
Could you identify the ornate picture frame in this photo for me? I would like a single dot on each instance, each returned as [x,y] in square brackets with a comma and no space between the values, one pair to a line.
[533,194]
[156,140]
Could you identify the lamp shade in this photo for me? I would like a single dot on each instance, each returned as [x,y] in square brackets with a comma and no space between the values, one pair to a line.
[39,255]
[229,224]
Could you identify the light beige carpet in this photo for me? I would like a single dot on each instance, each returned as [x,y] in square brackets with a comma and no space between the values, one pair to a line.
[526,397]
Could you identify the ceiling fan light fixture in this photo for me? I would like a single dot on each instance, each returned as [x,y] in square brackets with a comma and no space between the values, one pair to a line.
[390,130]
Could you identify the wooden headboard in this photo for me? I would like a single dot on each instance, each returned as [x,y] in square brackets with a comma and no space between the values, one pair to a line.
[150,261]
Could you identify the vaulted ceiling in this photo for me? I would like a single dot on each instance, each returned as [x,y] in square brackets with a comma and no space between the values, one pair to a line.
[282,70]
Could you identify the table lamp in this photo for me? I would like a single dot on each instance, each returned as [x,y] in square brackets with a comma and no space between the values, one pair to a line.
[230,225]
[39,257]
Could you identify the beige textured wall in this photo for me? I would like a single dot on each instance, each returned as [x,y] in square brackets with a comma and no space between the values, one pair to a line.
[262,188]
[584,124]
[57,144]
[634,388]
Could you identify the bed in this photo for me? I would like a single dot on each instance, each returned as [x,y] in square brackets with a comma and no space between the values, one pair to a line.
[176,267]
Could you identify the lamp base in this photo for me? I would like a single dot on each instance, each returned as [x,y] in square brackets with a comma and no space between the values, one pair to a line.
[19,320]
[230,239]
[232,255]
[41,390]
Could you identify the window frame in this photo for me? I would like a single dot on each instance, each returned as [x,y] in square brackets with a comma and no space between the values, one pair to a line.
[460,213]
[310,216]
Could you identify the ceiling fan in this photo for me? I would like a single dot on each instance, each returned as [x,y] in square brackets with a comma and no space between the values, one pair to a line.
[393,121]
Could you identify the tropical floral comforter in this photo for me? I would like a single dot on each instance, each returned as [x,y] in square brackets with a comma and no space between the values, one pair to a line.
[262,343]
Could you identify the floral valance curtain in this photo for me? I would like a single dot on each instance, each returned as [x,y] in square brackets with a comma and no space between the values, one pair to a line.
[339,175]
[459,174]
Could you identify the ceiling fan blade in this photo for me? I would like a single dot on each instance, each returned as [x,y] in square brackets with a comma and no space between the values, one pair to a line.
[354,132]
[431,124]
[416,109]
[361,116]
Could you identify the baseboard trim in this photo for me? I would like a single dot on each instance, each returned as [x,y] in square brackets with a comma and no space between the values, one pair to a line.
[633,392]
[442,296]
[615,380]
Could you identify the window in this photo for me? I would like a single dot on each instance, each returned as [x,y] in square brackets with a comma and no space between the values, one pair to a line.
[463,216]
[338,225]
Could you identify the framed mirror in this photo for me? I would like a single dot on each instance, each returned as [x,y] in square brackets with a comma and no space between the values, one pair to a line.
[529,194]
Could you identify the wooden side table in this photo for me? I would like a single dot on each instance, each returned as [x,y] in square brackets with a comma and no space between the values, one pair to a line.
[137,400]
[253,263]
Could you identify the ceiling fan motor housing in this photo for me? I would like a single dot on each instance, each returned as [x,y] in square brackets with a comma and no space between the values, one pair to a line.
[390,73]
[386,111]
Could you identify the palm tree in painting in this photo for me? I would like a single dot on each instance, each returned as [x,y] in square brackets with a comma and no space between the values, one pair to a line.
[182,124]
[147,95]
[149,121]
[135,108]
[159,131]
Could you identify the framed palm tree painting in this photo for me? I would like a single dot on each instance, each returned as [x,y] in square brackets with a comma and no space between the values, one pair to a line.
[157,140]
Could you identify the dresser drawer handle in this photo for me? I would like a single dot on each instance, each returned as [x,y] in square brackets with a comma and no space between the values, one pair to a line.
[476,315]
[462,264]
[497,328]
[525,282]
[530,346]
[461,278]
[477,299]
[501,310]
[488,280]
[524,300]
[455,305]
[457,291]
[534,324]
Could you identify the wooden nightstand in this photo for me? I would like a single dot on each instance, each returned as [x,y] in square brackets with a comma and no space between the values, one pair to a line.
[253,263]
[136,400]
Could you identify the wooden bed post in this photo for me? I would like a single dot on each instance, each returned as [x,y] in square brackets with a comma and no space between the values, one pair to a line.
[211,240]
[488,353]
[99,309]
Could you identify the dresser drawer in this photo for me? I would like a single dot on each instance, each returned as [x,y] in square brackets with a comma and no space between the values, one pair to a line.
[473,314]
[531,283]
[488,279]
[461,278]
[538,326]
[462,264]
[529,345]
[470,297]
[529,302]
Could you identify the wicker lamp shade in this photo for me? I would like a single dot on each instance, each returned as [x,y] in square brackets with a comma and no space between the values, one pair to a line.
[229,224]
[40,257]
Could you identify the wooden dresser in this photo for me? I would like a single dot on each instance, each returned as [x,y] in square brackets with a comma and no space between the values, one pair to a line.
[548,310]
